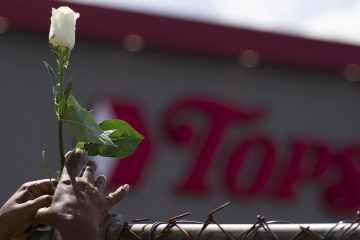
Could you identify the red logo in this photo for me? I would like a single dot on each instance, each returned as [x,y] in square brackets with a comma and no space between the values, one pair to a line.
[254,164]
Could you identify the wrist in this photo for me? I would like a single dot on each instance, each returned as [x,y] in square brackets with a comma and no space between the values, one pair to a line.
[80,228]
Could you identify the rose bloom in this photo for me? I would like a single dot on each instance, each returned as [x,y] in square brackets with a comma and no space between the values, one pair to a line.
[62,28]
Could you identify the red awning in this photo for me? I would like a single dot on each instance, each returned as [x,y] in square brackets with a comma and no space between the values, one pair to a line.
[185,36]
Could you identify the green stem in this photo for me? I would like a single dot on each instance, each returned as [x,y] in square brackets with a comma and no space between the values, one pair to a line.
[60,125]
[61,145]
[61,77]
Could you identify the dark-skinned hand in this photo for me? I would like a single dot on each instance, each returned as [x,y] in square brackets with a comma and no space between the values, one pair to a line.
[79,204]
[17,215]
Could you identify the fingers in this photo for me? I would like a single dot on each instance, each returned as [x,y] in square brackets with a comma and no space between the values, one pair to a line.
[88,174]
[34,189]
[116,196]
[100,183]
[41,187]
[32,206]
[73,162]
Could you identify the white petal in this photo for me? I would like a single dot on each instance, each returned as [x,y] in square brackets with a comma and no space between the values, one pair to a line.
[65,10]
[62,28]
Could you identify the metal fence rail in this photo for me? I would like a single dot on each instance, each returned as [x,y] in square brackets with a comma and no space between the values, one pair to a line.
[114,228]
[177,229]
[275,231]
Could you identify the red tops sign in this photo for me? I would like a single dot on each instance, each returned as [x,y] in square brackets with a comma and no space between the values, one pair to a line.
[309,160]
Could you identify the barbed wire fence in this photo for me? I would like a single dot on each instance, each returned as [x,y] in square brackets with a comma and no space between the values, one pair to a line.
[114,228]
[178,229]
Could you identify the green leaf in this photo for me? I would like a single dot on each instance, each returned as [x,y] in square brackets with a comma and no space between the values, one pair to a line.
[82,124]
[53,78]
[125,138]
[120,129]
[80,145]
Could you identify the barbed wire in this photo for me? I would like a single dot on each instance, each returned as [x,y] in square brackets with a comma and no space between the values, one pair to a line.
[114,228]
[178,229]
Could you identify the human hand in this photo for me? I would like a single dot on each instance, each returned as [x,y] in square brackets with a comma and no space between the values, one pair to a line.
[79,205]
[17,215]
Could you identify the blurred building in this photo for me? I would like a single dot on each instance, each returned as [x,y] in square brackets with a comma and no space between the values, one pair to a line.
[265,120]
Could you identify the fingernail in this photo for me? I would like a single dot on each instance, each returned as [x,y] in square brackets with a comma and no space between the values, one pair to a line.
[92,164]
[102,179]
[74,153]
[67,154]
[79,151]
[126,187]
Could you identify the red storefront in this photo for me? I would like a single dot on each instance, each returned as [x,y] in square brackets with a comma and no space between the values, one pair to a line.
[268,121]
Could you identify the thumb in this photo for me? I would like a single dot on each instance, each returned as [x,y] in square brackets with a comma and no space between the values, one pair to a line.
[44,216]
[41,214]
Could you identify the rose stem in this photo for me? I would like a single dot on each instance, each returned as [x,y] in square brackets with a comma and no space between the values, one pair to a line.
[60,125]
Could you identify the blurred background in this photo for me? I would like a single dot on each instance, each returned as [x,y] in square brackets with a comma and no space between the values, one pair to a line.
[253,102]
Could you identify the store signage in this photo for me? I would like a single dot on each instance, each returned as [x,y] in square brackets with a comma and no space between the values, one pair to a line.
[277,171]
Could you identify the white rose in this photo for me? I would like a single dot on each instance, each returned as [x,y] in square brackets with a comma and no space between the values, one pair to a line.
[62,28]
